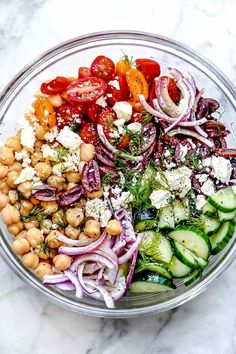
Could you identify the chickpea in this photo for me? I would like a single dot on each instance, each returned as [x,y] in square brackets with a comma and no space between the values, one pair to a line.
[31,118]
[31,224]
[38,145]
[71,185]
[16,166]
[21,234]
[74,216]
[4,200]
[20,246]
[45,226]
[49,207]
[87,152]
[13,196]
[62,262]
[13,143]
[81,166]
[114,227]
[6,156]
[15,229]
[43,169]
[84,238]
[4,188]
[73,176]
[81,204]
[72,232]
[43,269]
[57,181]
[92,228]
[11,177]
[56,100]
[96,194]
[34,201]
[36,157]
[59,218]
[53,253]
[42,252]
[52,240]
[34,237]
[40,132]
[30,260]
[10,215]
[25,188]
[24,207]
[3,171]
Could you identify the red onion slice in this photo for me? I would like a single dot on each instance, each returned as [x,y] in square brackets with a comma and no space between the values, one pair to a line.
[91,257]
[71,242]
[131,270]
[81,279]
[105,294]
[73,278]
[54,279]
[67,285]
[164,100]
[193,134]
[124,259]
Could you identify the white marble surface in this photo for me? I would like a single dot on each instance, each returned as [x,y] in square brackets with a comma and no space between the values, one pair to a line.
[30,324]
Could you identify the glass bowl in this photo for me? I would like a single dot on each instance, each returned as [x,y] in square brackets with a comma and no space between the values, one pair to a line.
[65,59]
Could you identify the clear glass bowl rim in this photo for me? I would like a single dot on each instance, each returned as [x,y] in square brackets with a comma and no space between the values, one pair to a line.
[4,249]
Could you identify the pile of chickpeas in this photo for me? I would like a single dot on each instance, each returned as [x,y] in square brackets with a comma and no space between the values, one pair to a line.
[35,240]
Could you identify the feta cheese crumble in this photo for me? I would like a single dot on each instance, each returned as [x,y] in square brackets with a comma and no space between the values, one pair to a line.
[21,155]
[200,201]
[208,187]
[122,200]
[63,167]
[115,84]
[221,168]
[123,110]
[97,209]
[51,135]
[27,174]
[69,139]
[49,153]
[183,152]
[135,127]
[101,102]
[160,198]
[27,138]
[178,180]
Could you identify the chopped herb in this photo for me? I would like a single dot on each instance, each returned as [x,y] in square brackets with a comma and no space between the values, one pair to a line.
[61,222]
[146,117]
[136,141]
[75,127]
[193,161]
[62,153]
[20,195]
[43,247]
[108,178]
[35,214]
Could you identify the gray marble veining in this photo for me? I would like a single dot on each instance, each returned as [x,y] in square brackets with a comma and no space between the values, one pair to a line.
[28,323]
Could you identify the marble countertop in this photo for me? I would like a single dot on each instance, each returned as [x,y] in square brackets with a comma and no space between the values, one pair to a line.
[28,323]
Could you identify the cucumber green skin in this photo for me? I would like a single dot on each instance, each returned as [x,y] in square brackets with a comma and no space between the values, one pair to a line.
[180,210]
[178,269]
[153,267]
[221,195]
[201,262]
[184,229]
[182,257]
[226,216]
[211,225]
[208,210]
[166,218]
[145,225]
[219,246]
[192,278]
[151,283]
[163,245]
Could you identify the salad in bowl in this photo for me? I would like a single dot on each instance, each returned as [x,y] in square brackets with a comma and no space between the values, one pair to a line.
[119,181]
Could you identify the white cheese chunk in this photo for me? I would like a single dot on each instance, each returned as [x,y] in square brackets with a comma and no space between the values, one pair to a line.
[115,84]
[69,139]
[121,200]
[49,153]
[26,162]
[183,152]
[27,138]
[97,209]
[135,127]
[123,110]
[101,102]
[178,180]
[64,167]
[27,174]
[51,135]
[221,168]
[202,177]
[160,198]
[208,187]
[200,201]
[21,155]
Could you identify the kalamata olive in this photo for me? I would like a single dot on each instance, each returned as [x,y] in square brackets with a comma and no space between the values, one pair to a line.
[159,149]
[104,155]
[202,108]
[149,133]
[91,180]
[71,196]
[213,105]
[204,151]
[196,185]
[230,152]
[171,141]
[178,150]
[45,193]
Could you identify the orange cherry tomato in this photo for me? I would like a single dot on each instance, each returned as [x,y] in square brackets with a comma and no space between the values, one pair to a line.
[44,111]
[124,143]
[122,66]
[137,84]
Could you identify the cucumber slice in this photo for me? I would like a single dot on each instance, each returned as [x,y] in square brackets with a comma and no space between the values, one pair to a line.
[201,262]
[155,246]
[226,216]
[178,269]
[195,275]
[184,255]
[146,225]
[146,214]
[153,267]
[208,210]
[194,239]
[151,283]
[166,218]
[210,225]
[223,200]
[181,211]
[220,239]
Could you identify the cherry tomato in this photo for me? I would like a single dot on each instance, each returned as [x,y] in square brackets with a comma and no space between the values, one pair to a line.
[115,95]
[58,85]
[173,90]
[137,84]
[136,117]
[124,142]
[68,115]
[152,94]
[123,87]
[106,119]
[86,90]
[44,111]
[93,111]
[103,68]
[122,66]
[88,133]
[149,68]
[84,72]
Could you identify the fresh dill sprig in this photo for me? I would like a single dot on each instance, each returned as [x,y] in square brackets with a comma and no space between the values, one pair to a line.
[75,127]
[61,221]
[193,161]
[136,141]
[146,118]
[20,195]
[44,247]
[35,214]
[108,178]
[62,152]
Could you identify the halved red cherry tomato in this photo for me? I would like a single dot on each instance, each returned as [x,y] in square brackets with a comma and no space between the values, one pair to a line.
[124,88]
[86,90]
[106,119]
[44,111]
[136,117]
[152,94]
[173,90]
[115,95]
[137,84]
[84,71]
[124,142]
[103,68]
[58,85]
[93,111]
[122,66]
[88,133]
[68,115]
[149,68]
